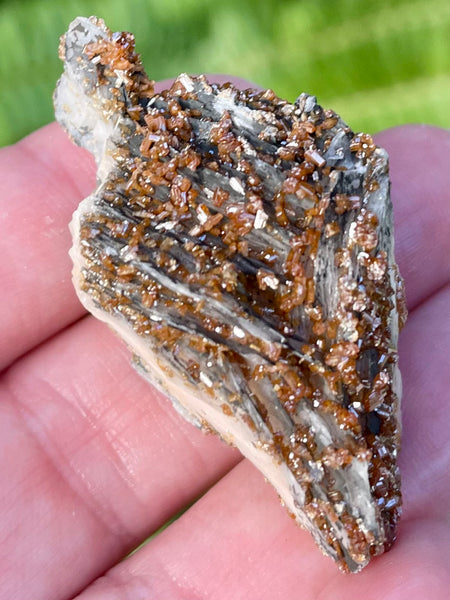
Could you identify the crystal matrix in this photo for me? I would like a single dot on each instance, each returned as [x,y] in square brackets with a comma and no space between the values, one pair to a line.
[242,247]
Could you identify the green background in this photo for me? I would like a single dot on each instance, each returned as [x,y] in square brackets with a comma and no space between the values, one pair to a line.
[378,63]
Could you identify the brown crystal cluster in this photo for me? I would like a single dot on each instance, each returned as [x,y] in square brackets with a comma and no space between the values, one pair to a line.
[247,242]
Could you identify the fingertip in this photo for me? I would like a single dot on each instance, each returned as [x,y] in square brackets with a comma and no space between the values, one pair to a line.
[421,133]
[51,148]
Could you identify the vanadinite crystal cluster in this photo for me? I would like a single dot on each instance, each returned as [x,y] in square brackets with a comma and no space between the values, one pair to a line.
[242,246]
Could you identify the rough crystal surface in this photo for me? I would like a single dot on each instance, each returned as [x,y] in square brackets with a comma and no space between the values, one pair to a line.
[242,246]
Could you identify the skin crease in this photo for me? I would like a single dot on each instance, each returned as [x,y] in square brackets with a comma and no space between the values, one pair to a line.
[93,460]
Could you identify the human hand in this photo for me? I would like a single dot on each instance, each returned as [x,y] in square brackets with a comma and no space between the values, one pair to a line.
[93,460]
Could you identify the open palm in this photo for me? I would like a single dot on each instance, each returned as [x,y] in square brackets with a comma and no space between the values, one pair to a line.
[93,460]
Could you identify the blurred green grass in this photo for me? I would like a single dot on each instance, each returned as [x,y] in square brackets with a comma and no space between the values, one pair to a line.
[378,63]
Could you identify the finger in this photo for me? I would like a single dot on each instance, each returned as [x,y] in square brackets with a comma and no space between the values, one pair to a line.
[44,178]
[237,542]
[93,460]
[415,567]
[419,159]
[217,550]
[425,455]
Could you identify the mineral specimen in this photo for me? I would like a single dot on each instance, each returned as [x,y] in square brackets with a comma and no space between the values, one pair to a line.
[242,246]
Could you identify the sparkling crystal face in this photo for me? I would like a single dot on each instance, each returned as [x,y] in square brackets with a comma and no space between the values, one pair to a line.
[242,246]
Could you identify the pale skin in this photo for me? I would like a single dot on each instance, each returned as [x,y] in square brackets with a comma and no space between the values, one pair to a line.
[93,460]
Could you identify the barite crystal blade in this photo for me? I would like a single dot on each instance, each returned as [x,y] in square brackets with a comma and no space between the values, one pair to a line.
[242,246]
